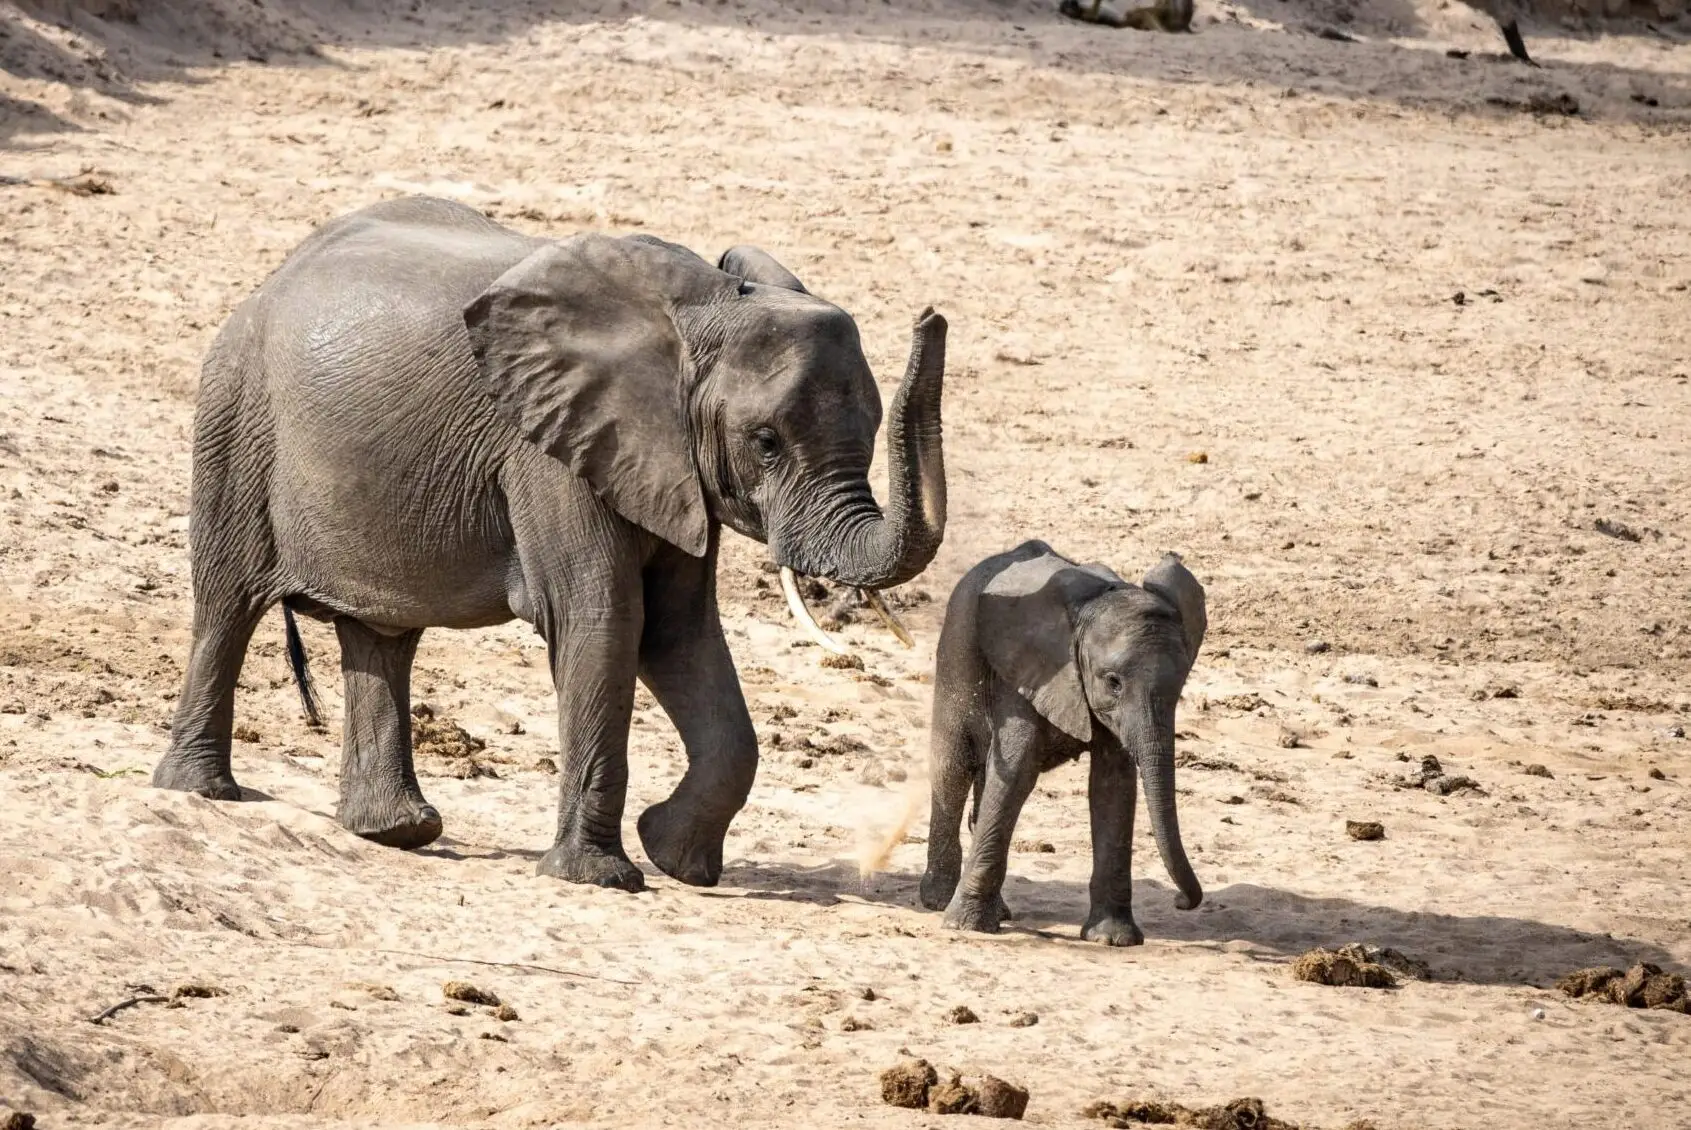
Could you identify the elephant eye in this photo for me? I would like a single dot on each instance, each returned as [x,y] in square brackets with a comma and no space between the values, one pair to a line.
[767,444]
[1112,682]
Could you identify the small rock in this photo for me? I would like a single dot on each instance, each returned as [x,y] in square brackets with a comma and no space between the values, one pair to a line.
[18,1120]
[1365,830]
[962,1014]
[906,1085]
[868,994]
[546,765]
[379,992]
[1024,1020]
[469,994]
[1538,1014]
[505,1013]
[494,1036]
[853,1024]
[996,1098]
[1234,800]
[847,662]
[1657,774]
[1317,647]
[1362,680]
[197,991]
[457,1010]
[1537,770]
[1198,457]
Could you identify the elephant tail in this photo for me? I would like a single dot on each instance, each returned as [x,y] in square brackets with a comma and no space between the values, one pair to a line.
[302,673]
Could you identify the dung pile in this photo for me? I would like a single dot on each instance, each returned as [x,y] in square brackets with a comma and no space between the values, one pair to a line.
[1642,986]
[915,1085]
[442,748]
[1432,777]
[1240,1114]
[1358,966]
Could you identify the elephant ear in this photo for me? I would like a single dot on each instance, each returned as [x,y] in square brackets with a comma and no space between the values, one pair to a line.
[1170,580]
[579,351]
[755,265]
[1030,613]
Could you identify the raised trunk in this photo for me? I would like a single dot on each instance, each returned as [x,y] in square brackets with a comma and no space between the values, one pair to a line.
[1155,753]
[879,549]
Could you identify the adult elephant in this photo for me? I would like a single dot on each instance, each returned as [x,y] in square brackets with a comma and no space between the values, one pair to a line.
[424,419]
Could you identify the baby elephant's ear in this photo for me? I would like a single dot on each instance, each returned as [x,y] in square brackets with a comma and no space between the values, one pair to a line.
[1170,580]
[1029,613]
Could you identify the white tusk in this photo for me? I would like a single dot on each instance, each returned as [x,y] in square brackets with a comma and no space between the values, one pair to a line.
[796,605]
[887,617]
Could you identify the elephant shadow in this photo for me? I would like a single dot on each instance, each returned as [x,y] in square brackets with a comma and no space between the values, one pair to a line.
[1277,924]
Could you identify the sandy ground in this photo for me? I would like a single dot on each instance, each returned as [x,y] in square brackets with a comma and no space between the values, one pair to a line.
[1245,243]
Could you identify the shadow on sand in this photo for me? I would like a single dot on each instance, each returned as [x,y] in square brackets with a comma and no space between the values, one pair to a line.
[1483,949]
[169,41]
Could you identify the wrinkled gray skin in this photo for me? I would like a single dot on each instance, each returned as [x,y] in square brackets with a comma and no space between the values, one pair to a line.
[423,419]
[1040,661]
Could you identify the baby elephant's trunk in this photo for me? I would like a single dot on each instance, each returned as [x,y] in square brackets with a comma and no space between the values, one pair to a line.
[1155,747]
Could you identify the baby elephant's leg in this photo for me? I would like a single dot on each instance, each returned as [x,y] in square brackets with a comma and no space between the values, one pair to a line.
[1012,767]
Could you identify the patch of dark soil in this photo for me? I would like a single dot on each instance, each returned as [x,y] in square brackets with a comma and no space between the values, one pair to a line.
[1240,1114]
[442,748]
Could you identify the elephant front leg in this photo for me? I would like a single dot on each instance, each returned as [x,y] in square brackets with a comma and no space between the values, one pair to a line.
[686,664]
[1113,793]
[380,797]
[593,668]
[1012,768]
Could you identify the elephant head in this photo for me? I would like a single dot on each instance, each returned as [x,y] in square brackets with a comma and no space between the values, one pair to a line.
[685,392]
[1100,658]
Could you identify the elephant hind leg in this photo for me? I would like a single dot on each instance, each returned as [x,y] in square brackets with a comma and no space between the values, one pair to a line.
[380,798]
[198,760]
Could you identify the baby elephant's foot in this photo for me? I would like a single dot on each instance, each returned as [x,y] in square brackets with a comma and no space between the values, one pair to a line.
[184,773]
[1112,929]
[936,890]
[679,846]
[983,916]
[594,866]
[404,822]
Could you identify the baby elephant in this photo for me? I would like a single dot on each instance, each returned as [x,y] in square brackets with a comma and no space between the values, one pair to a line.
[1041,660]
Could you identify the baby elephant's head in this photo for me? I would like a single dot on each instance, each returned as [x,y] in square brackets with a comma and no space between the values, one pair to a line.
[1104,661]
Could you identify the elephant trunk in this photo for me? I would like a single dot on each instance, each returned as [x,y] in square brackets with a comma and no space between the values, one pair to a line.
[1153,745]
[888,548]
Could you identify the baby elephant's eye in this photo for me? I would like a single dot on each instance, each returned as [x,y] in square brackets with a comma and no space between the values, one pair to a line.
[766,443]
[1112,682]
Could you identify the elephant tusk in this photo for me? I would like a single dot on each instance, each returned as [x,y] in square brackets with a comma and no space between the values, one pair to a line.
[886,614]
[801,613]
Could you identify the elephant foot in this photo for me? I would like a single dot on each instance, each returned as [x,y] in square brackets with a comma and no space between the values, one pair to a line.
[593,866]
[936,890]
[408,823]
[1118,929]
[983,916]
[680,848]
[186,775]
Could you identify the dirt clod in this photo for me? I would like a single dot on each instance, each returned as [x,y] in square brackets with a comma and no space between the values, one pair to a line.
[1537,770]
[1657,774]
[996,1098]
[1024,1020]
[379,992]
[194,990]
[853,1024]
[1348,968]
[506,1013]
[843,662]
[951,1098]
[962,1014]
[906,1084]
[18,1120]
[1642,986]
[1365,829]
[469,994]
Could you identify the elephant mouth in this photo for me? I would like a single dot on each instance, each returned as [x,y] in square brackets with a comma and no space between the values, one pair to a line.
[818,635]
